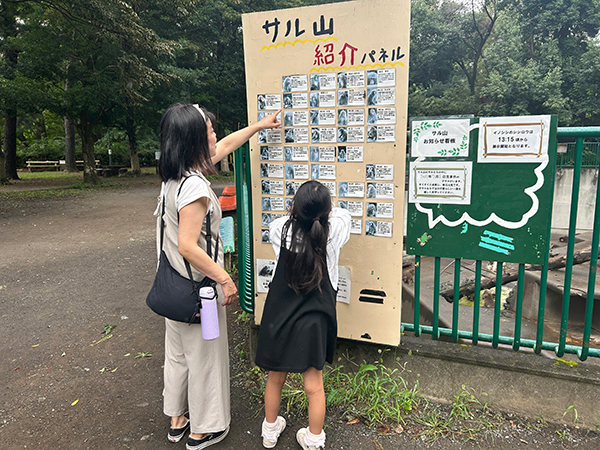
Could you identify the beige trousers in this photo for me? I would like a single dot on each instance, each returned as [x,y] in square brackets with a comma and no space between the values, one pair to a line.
[197,375]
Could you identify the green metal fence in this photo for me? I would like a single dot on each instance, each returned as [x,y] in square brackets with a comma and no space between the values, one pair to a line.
[244,227]
[514,339]
[567,152]
[583,351]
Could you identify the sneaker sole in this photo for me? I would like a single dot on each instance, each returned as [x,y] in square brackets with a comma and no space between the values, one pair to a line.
[209,443]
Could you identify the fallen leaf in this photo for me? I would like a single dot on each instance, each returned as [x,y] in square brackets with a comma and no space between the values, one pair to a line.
[35,345]
[384,429]
[75,402]
[353,421]
[114,370]
[127,354]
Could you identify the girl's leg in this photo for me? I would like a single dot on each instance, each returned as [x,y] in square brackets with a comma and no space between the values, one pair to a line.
[273,394]
[313,386]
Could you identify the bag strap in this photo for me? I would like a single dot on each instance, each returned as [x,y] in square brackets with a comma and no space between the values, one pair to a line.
[208,233]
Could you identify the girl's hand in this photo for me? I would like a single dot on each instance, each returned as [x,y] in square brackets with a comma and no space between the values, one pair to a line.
[270,121]
[229,291]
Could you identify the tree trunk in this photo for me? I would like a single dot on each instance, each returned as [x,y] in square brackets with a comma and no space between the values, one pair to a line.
[133,145]
[70,161]
[87,146]
[3,178]
[10,146]
[225,164]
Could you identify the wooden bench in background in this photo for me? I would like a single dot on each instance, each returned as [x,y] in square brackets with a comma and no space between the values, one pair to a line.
[41,166]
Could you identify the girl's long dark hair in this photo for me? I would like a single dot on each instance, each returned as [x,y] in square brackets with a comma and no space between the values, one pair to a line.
[306,264]
[184,142]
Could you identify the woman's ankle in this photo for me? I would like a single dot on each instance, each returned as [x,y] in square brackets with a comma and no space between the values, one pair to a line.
[178,421]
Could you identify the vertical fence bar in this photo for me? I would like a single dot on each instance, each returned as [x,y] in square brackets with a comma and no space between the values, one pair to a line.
[476,301]
[497,305]
[417,330]
[560,350]
[436,298]
[519,307]
[589,305]
[244,219]
[456,298]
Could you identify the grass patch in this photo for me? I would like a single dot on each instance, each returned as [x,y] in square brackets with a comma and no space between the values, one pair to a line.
[378,396]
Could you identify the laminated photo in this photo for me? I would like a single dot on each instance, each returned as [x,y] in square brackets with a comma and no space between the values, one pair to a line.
[298,171]
[296,135]
[377,228]
[291,187]
[355,117]
[355,209]
[323,172]
[268,102]
[384,172]
[380,210]
[295,153]
[271,153]
[322,117]
[265,237]
[355,79]
[355,134]
[382,116]
[271,170]
[354,153]
[295,100]
[356,97]
[265,270]
[331,186]
[323,82]
[295,83]
[277,204]
[355,226]
[380,190]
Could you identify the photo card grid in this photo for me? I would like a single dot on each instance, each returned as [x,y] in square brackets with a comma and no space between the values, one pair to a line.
[326,118]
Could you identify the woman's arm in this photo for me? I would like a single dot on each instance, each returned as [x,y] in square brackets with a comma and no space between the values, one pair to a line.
[191,218]
[234,140]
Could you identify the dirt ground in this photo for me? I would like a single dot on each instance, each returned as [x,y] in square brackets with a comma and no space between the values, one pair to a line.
[69,268]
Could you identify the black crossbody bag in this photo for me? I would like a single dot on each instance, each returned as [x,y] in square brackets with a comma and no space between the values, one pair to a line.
[172,295]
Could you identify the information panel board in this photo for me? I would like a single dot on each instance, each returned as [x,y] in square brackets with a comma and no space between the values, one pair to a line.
[481,188]
[340,73]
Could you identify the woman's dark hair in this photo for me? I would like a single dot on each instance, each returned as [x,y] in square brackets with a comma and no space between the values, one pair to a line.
[184,142]
[306,263]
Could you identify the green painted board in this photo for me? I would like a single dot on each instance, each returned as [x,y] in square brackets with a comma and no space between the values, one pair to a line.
[504,214]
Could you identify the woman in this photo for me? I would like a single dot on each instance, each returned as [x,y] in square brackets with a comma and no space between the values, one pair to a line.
[196,372]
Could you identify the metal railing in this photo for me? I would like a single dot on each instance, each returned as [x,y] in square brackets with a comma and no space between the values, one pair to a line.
[538,344]
[244,227]
[567,151]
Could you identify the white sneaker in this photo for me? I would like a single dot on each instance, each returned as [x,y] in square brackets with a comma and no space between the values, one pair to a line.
[270,438]
[300,438]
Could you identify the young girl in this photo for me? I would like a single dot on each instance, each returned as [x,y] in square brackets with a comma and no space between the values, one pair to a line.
[299,328]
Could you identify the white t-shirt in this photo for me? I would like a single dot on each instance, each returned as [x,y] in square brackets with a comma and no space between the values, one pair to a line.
[339,233]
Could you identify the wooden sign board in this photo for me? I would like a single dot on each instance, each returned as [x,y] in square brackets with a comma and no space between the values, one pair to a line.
[340,73]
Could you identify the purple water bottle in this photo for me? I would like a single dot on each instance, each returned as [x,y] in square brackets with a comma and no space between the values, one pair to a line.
[209,317]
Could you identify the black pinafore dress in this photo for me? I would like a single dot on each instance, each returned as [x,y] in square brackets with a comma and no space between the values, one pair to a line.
[296,331]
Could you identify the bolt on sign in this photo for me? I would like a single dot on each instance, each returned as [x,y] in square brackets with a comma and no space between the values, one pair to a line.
[340,73]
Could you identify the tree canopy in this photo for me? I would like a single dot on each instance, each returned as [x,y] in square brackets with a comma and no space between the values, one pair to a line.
[117,64]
